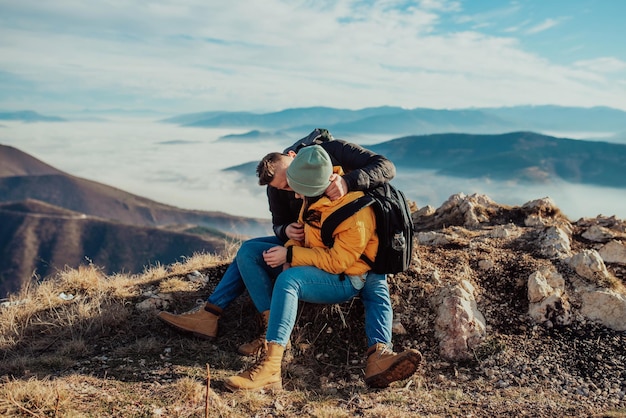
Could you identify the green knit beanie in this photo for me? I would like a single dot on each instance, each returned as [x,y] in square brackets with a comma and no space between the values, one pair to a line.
[309,172]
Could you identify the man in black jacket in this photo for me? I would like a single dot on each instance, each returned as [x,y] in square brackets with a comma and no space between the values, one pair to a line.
[364,170]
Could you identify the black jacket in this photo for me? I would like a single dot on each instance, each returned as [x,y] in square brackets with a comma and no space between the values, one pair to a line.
[364,170]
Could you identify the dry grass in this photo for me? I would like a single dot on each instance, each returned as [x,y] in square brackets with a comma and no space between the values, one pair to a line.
[33,397]
[92,353]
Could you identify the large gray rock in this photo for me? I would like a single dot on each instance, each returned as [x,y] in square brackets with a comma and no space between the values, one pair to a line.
[589,265]
[555,243]
[598,233]
[605,306]
[460,326]
[613,252]
[548,303]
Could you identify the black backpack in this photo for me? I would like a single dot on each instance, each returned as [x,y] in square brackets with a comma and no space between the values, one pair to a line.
[316,137]
[394,227]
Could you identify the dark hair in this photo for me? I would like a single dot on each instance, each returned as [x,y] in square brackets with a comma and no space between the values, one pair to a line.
[266,169]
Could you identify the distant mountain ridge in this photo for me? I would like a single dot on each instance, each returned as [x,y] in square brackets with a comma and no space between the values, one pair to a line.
[279,120]
[393,120]
[389,120]
[556,117]
[17,163]
[522,156]
[29,116]
[253,135]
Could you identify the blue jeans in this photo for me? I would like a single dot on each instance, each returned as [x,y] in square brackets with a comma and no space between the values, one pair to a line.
[231,285]
[308,284]
[311,284]
[378,310]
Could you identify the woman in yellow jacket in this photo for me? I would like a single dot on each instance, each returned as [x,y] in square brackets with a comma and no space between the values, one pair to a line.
[308,270]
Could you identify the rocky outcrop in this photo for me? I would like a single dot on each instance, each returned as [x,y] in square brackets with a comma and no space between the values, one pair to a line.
[566,271]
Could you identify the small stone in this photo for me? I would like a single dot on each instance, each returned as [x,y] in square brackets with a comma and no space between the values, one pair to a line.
[398,328]
[501,384]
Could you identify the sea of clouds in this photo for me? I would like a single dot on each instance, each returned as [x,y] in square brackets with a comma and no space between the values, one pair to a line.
[183,167]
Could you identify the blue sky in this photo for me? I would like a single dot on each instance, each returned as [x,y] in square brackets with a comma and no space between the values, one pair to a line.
[179,56]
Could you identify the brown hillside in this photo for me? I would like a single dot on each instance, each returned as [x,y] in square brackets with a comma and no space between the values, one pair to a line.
[27,178]
[41,239]
[39,207]
[14,162]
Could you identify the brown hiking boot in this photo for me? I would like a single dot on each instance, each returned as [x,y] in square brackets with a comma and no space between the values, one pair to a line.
[384,366]
[265,374]
[201,322]
[253,347]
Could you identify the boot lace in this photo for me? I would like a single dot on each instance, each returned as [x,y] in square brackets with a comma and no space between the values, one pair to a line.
[261,356]
[386,350]
[199,305]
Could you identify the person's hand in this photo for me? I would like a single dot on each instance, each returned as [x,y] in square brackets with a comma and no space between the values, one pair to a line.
[338,187]
[275,256]
[295,231]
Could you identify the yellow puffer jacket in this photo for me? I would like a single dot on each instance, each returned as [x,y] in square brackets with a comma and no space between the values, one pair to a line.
[353,237]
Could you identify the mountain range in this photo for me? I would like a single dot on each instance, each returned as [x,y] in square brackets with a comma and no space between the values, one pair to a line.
[50,219]
[398,121]
[517,156]
[29,116]
[607,122]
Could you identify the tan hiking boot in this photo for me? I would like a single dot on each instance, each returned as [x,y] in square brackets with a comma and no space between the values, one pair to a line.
[384,366]
[265,374]
[253,347]
[201,322]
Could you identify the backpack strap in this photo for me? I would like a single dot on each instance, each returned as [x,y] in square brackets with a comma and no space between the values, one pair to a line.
[334,219]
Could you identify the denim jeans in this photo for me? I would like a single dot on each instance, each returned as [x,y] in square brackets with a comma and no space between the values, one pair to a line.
[231,285]
[374,295]
[378,310]
[308,284]
[257,275]
[311,284]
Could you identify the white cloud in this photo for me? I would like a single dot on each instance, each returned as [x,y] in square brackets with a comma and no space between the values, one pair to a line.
[543,26]
[183,56]
[442,5]
[490,17]
[517,28]
[602,65]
